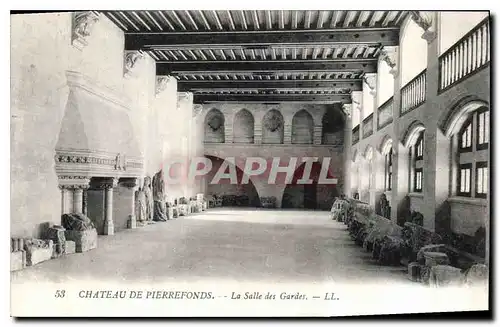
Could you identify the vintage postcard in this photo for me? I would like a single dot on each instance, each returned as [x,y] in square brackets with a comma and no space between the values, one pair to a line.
[249,163]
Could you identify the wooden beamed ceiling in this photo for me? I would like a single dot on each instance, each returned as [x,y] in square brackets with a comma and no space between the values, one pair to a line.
[262,55]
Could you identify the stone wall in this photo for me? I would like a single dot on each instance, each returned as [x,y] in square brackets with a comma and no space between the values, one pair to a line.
[43,53]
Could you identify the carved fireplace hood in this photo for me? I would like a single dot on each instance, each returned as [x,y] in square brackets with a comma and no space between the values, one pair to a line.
[96,137]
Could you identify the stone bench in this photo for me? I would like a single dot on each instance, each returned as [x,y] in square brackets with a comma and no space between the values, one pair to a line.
[84,240]
[17,260]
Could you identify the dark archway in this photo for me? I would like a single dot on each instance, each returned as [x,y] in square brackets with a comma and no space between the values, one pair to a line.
[333,126]
[309,196]
[233,195]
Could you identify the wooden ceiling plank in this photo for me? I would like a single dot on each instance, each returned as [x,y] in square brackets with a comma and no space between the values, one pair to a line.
[117,21]
[154,20]
[282,19]
[256,20]
[295,19]
[191,19]
[205,21]
[335,16]
[269,20]
[231,21]
[307,21]
[166,20]
[321,19]
[178,19]
[243,20]
[129,20]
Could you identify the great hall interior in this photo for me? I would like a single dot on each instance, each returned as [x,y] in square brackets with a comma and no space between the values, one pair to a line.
[398,101]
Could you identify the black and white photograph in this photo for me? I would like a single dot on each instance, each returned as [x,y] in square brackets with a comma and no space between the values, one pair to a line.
[249,163]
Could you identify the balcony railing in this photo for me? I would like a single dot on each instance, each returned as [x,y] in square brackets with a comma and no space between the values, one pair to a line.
[468,55]
[413,93]
[384,113]
[355,135]
[368,126]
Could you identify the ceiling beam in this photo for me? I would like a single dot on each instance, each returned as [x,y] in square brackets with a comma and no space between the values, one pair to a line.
[387,36]
[262,98]
[266,66]
[184,86]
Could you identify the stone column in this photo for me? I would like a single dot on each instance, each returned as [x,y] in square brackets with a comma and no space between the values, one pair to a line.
[78,200]
[109,228]
[391,56]
[436,178]
[72,187]
[287,134]
[84,209]
[317,134]
[132,184]
[347,108]
[257,132]
[64,200]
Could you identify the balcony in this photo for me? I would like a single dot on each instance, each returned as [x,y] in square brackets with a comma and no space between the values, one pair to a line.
[470,54]
[384,113]
[413,94]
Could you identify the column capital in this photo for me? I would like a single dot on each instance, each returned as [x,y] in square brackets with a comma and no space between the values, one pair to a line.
[107,183]
[131,61]
[74,182]
[390,56]
[371,81]
[426,20]
[197,109]
[162,83]
[83,23]
[347,109]
[184,96]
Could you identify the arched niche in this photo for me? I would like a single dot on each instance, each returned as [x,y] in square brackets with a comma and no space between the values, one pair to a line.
[243,127]
[272,127]
[214,127]
[333,126]
[302,128]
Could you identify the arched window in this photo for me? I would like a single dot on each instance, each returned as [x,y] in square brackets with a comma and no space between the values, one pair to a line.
[302,128]
[387,152]
[416,160]
[243,127]
[369,161]
[471,146]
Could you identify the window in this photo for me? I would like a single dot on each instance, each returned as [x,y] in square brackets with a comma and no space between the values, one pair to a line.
[418,180]
[464,180]
[419,147]
[483,129]
[472,142]
[465,137]
[388,170]
[481,179]
[417,160]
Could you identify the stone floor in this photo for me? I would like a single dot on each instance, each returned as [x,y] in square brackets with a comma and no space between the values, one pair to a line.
[230,244]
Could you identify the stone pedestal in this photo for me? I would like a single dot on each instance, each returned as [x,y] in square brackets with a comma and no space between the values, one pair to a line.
[70,247]
[444,275]
[85,240]
[170,212]
[35,255]
[17,260]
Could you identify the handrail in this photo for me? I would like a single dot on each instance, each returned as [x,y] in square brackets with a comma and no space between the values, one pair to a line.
[463,38]
[413,94]
[467,56]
